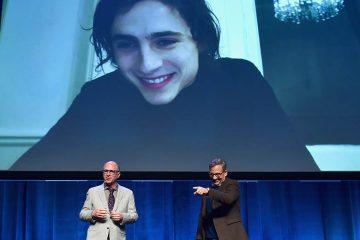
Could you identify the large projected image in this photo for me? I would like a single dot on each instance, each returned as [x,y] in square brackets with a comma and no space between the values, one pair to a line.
[179,93]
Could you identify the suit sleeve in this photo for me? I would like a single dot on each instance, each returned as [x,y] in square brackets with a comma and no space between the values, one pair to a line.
[131,215]
[87,209]
[230,195]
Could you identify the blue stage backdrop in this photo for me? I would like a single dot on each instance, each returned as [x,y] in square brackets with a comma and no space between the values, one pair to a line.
[168,209]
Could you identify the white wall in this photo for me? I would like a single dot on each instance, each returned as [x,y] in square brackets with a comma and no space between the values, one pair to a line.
[239,30]
[43,63]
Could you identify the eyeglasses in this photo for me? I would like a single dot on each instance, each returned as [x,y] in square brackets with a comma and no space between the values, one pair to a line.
[217,175]
[110,171]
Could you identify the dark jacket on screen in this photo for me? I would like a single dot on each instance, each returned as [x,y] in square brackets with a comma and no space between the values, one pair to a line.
[229,110]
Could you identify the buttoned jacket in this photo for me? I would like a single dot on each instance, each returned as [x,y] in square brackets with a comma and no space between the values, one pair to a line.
[101,229]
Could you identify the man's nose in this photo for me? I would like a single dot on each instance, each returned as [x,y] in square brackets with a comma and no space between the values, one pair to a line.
[150,60]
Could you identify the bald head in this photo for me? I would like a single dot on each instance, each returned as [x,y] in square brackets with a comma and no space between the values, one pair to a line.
[111,173]
[112,165]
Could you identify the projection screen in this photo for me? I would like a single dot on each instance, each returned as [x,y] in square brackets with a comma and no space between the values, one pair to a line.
[281,97]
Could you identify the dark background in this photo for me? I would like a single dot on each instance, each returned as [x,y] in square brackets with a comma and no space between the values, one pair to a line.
[314,69]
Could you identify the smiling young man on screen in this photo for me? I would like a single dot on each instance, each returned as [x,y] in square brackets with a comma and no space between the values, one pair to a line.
[171,98]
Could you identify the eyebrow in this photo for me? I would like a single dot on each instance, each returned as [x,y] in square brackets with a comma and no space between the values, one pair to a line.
[129,37]
[117,37]
[166,34]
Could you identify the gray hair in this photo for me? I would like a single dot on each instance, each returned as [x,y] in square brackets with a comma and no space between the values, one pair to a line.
[217,161]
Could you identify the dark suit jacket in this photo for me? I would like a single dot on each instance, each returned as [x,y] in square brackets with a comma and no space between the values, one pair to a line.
[226,212]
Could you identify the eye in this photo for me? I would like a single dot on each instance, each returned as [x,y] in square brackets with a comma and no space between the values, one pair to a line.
[125,46]
[166,43]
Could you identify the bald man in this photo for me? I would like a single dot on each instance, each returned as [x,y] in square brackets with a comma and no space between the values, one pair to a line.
[109,207]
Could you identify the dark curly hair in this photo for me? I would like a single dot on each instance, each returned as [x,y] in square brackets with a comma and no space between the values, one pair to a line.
[201,20]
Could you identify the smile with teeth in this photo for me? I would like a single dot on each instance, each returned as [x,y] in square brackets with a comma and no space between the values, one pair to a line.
[157,82]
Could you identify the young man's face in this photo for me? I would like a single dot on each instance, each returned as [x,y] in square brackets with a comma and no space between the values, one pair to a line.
[153,47]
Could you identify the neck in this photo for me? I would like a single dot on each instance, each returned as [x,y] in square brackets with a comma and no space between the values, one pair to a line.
[112,185]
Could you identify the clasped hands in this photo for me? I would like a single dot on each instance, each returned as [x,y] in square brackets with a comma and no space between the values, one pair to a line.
[200,190]
[102,213]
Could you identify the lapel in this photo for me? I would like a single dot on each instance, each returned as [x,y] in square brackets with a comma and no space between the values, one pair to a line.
[221,189]
[101,193]
[119,196]
[203,206]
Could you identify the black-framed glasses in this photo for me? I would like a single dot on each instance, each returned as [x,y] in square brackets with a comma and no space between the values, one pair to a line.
[110,171]
[217,175]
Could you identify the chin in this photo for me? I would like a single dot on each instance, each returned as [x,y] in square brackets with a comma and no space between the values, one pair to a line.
[159,100]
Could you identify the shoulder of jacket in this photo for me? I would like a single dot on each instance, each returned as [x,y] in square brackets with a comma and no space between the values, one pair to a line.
[239,69]
[234,61]
[102,81]
[96,188]
[231,181]
[124,189]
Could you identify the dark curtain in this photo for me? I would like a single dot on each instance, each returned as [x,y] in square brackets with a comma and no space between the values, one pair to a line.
[169,210]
